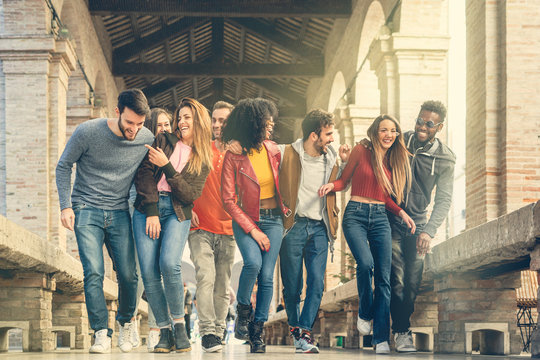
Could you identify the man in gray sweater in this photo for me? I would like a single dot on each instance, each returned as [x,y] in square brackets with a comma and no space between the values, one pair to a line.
[107,153]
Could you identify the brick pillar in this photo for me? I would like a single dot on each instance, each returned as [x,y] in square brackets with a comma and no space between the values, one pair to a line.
[403,62]
[35,83]
[28,297]
[352,341]
[62,62]
[425,311]
[70,310]
[331,323]
[475,303]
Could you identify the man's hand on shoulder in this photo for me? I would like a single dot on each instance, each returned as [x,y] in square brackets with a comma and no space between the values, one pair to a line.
[234,147]
[344,152]
[67,216]
[366,143]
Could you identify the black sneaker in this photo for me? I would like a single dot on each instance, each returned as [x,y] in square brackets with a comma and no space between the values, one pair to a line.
[211,343]
[166,341]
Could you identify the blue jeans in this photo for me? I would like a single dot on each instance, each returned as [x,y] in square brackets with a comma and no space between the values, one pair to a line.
[93,228]
[368,235]
[307,241]
[258,265]
[162,257]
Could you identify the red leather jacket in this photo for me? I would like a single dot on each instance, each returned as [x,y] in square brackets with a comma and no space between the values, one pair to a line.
[239,178]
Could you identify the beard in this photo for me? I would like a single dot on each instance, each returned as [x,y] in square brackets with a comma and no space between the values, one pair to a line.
[321,148]
[123,130]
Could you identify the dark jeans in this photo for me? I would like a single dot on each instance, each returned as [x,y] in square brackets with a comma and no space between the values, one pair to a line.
[368,235]
[407,268]
[94,228]
[258,265]
[306,241]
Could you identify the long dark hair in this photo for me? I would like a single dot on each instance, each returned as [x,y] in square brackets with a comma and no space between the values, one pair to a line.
[398,160]
[151,120]
[247,122]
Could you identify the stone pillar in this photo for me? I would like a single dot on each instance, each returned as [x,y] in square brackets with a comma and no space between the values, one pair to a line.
[35,71]
[353,338]
[468,304]
[27,297]
[70,310]
[410,69]
[331,323]
[62,62]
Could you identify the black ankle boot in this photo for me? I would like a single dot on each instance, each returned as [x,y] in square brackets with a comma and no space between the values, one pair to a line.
[256,342]
[243,315]
[166,341]
[180,337]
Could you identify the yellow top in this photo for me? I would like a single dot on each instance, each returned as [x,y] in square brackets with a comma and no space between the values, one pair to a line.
[261,166]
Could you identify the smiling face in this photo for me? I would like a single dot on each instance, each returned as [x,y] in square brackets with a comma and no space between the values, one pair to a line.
[129,123]
[185,124]
[387,133]
[219,118]
[324,139]
[423,132]
[163,124]
[269,127]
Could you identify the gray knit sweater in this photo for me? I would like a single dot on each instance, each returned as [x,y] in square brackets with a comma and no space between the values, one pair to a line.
[106,165]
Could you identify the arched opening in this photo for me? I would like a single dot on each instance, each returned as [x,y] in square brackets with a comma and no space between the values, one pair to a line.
[337,93]
[367,94]
[488,342]
[13,339]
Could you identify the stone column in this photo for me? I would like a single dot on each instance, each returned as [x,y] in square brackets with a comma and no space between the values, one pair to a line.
[353,339]
[70,310]
[35,70]
[468,304]
[27,297]
[410,69]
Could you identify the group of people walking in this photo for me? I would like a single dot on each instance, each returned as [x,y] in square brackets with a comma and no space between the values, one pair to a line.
[219,181]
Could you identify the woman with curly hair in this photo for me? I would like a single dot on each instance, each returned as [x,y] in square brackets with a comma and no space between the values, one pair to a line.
[377,174]
[250,192]
[169,179]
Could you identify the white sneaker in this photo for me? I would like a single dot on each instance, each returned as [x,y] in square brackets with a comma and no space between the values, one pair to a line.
[102,343]
[404,342]
[135,339]
[152,340]
[382,348]
[124,337]
[364,326]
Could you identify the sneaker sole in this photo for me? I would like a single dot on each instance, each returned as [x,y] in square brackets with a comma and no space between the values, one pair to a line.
[213,348]
[100,352]
[311,351]
[405,350]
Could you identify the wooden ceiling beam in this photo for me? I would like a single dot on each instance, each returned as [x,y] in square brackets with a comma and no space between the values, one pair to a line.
[278,90]
[159,37]
[271,34]
[315,69]
[219,8]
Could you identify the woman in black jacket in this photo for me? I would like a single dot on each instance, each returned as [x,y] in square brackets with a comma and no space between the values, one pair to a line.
[169,179]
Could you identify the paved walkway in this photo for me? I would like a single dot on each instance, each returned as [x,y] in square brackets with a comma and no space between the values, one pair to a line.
[240,352]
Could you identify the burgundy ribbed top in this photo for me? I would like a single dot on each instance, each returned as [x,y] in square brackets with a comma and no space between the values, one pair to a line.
[364,182]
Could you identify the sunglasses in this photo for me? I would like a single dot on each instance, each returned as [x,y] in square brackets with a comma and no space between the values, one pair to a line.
[430,124]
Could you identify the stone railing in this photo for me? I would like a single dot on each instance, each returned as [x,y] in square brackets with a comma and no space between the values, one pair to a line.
[41,291]
[468,298]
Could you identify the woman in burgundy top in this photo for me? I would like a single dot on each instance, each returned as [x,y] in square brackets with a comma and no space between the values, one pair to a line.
[377,174]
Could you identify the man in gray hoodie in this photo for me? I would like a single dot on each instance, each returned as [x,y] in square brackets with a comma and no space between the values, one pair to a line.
[306,165]
[432,166]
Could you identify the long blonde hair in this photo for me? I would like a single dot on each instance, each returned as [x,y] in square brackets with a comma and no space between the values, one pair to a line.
[398,160]
[201,149]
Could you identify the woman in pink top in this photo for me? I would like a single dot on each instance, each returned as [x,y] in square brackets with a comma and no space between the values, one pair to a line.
[377,174]
[169,179]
